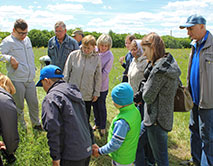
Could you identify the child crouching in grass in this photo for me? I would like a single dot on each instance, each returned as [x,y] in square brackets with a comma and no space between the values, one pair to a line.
[124,130]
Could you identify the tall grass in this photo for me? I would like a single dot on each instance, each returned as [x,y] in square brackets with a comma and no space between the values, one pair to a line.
[34,151]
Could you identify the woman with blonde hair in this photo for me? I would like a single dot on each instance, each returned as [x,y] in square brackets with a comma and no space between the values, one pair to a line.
[158,94]
[83,68]
[104,44]
[7,84]
[8,117]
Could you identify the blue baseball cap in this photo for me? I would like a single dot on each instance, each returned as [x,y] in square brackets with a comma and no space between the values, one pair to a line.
[122,94]
[49,71]
[193,20]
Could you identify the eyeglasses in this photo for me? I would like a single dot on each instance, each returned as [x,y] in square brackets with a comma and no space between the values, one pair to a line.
[59,31]
[21,33]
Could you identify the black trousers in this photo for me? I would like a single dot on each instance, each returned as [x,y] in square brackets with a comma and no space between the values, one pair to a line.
[1,163]
[88,105]
[83,162]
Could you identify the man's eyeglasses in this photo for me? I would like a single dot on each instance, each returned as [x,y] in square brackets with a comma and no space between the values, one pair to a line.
[21,33]
[59,31]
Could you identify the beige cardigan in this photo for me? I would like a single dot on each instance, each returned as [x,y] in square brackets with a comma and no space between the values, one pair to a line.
[85,72]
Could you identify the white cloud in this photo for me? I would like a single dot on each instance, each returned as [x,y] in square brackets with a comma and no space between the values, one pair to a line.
[190,4]
[73,26]
[168,18]
[88,1]
[13,11]
[65,7]
[36,19]
[122,23]
[30,7]
[96,21]
[107,7]
[46,20]
[163,22]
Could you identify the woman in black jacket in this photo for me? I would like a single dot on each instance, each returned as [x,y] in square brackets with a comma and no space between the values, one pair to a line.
[8,119]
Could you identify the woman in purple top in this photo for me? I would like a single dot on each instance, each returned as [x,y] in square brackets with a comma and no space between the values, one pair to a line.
[104,44]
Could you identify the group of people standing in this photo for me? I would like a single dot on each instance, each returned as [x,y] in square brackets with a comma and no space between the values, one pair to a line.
[78,78]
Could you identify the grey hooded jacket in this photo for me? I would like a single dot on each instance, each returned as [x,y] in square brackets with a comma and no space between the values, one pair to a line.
[159,92]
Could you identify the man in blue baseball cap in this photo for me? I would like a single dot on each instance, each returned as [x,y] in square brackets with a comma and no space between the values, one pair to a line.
[64,117]
[193,20]
[50,71]
[200,77]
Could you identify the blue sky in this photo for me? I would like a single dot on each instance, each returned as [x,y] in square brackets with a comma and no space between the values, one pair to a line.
[120,16]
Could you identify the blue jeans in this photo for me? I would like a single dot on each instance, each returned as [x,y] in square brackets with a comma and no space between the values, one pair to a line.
[201,128]
[140,155]
[158,141]
[144,156]
[100,111]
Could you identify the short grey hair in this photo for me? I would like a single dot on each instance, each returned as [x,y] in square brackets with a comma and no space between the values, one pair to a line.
[60,23]
[105,39]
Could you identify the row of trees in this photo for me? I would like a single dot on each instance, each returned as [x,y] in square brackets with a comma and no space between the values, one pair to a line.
[40,38]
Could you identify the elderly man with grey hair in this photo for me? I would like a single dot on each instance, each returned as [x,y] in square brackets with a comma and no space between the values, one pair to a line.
[60,45]
[200,77]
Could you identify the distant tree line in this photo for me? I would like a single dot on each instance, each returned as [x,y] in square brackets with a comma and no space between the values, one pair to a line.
[39,38]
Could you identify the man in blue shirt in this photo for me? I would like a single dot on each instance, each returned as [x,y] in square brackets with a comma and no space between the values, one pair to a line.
[200,78]
[60,46]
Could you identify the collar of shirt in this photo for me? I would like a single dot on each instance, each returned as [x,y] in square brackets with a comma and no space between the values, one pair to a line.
[196,44]
[105,53]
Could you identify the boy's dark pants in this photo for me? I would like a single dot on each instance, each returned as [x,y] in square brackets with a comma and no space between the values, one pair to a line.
[83,162]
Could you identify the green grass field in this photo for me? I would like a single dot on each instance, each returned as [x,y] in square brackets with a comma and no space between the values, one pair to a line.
[34,151]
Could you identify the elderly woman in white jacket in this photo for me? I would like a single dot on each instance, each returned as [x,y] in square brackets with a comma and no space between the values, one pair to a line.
[137,66]
[135,76]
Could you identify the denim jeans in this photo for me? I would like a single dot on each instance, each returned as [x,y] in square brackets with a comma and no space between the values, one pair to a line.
[140,156]
[100,111]
[158,141]
[144,156]
[201,128]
